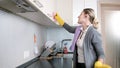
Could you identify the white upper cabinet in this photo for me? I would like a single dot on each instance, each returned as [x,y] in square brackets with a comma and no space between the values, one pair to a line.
[48,7]
[64,9]
[38,11]
[69,10]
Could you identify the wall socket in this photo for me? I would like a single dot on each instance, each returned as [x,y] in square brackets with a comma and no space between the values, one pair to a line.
[26,54]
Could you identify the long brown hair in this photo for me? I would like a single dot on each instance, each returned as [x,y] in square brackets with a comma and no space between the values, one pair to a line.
[92,17]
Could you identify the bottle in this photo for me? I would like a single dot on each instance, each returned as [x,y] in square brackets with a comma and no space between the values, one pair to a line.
[36,50]
[65,49]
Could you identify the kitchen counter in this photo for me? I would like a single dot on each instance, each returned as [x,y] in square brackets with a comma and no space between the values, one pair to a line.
[52,63]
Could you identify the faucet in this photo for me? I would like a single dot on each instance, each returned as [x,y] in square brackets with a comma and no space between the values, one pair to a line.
[65,43]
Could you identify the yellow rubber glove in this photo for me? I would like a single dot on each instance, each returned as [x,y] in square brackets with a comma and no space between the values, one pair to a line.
[59,19]
[98,64]
[106,66]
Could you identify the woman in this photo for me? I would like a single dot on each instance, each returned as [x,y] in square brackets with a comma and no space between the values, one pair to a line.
[87,42]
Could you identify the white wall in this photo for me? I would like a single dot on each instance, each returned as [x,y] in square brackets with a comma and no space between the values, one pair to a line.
[16,36]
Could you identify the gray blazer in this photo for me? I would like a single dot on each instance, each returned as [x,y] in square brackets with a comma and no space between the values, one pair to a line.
[92,45]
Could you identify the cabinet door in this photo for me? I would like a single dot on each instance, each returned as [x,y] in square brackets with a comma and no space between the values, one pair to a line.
[64,8]
[48,6]
[91,4]
[78,6]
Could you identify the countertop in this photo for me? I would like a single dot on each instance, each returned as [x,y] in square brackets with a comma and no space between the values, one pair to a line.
[52,63]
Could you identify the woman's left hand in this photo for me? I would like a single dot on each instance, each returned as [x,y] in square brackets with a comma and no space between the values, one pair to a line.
[100,64]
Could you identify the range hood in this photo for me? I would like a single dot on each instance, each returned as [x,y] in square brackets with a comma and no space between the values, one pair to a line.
[28,9]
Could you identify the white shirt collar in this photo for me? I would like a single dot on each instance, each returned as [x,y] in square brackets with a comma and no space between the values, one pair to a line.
[86,28]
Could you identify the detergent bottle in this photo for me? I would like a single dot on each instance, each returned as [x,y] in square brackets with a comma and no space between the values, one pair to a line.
[65,48]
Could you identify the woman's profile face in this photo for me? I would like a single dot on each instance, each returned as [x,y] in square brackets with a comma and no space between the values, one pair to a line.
[82,18]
